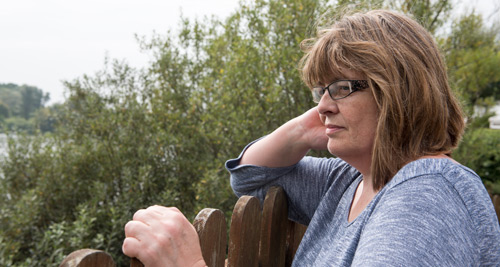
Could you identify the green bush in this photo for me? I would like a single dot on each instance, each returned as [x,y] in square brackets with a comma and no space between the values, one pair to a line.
[126,139]
[19,124]
[480,151]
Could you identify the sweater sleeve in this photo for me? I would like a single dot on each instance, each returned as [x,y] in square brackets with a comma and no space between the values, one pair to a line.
[421,222]
[305,183]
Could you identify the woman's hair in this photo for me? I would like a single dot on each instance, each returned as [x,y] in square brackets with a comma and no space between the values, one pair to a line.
[418,113]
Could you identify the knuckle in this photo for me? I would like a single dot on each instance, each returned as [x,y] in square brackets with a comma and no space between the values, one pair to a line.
[164,241]
[177,217]
[129,227]
[173,228]
[139,214]
[175,209]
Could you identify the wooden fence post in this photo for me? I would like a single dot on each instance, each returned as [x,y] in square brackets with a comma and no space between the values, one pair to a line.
[88,258]
[211,227]
[294,235]
[496,204]
[244,233]
[274,228]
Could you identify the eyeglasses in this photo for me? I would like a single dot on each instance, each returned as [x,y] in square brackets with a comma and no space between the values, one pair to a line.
[339,89]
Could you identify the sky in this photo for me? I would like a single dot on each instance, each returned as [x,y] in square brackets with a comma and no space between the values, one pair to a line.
[43,43]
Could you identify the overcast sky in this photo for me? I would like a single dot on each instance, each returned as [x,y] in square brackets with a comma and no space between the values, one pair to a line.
[43,42]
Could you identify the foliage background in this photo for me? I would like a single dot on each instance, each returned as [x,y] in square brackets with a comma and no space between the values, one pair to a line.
[128,138]
[20,106]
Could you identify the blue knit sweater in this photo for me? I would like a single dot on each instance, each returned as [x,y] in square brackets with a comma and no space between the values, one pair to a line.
[433,212]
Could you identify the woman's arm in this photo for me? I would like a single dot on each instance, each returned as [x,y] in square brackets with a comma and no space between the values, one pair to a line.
[289,143]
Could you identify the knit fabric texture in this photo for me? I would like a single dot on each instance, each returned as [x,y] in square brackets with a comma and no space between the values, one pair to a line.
[433,212]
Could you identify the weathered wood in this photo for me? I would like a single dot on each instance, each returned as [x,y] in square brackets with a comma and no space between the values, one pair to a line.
[211,227]
[244,233]
[256,237]
[295,233]
[136,263]
[496,204]
[274,228]
[88,258]
[249,227]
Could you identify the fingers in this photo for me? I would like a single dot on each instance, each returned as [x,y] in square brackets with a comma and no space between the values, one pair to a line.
[157,231]
[131,247]
[135,229]
[135,232]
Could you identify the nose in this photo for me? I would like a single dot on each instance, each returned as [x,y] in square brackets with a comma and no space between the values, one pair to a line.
[327,105]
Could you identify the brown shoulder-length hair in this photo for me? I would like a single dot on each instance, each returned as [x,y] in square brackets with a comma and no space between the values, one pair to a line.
[418,113]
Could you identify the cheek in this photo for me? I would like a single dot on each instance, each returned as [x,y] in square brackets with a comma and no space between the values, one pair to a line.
[364,128]
[370,132]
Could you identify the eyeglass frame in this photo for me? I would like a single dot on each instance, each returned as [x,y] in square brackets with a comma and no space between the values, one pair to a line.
[355,85]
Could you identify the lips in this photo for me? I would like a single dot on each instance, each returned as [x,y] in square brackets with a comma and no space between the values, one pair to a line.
[333,128]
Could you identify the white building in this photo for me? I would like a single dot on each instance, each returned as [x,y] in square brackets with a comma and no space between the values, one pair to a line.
[495,120]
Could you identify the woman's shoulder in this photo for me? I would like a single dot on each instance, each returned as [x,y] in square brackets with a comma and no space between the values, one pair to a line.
[444,196]
[441,175]
[440,170]
[446,185]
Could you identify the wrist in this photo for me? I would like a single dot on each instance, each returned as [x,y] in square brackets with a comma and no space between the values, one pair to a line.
[297,136]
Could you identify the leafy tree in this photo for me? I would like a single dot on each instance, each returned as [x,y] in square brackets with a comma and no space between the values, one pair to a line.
[46,119]
[32,99]
[19,124]
[431,14]
[4,111]
[126,138]
[11,97]
[472,53]
[20,103]
[480,150]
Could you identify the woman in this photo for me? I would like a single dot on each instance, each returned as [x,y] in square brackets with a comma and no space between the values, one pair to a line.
[392,196]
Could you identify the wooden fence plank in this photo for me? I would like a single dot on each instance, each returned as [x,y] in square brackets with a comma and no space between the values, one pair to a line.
[274,228]
[295,233]
[496,204]
[244,233]
[136,263]
[211,227]
[88,258]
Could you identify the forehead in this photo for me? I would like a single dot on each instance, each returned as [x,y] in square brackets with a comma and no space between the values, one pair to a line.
[341,73]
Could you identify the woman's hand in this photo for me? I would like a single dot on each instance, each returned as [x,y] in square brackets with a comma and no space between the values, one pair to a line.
[160,236]
[313,129]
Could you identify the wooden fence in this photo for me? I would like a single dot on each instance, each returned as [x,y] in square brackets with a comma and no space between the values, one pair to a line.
[496,204]
[257,237]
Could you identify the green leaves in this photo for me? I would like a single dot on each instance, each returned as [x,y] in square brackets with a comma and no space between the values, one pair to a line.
[472,53]
[480,151]
[126,138]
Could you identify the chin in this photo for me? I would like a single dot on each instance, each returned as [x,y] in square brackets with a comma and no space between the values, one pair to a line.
[339,149]
[333,151]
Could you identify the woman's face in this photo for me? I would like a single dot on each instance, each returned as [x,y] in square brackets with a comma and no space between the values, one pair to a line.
[350,123]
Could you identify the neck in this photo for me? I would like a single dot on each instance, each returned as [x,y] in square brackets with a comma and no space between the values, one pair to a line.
[368,185]
[363,165]
[362,197]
